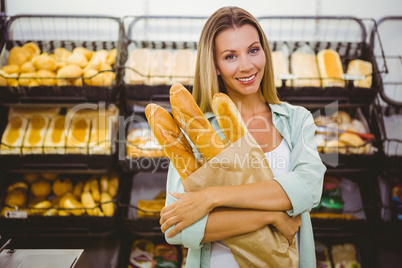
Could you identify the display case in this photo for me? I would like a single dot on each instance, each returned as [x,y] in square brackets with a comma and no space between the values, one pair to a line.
[64,59]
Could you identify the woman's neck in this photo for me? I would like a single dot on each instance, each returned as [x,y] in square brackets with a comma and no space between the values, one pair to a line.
[250,105]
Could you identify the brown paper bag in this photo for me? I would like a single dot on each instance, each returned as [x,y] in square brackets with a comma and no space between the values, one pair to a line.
[241,163]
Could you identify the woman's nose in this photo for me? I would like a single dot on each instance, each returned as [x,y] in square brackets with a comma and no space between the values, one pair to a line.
[245,64]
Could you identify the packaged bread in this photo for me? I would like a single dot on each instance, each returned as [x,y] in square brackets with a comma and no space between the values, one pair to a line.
[55,139]
[361,68]
[141,142]
[172,140]
[330,67]
[161,67]
[78,136]
[29,112]
[13,136]
[35,135]
[303,63]
[183,66]
[280,62]
[344,256]
[139,61]
[100,137]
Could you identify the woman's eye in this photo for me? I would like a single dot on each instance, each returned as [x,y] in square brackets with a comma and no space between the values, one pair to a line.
[230,57]
[254,50]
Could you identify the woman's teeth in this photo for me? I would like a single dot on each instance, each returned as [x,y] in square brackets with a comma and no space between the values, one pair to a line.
[246,79]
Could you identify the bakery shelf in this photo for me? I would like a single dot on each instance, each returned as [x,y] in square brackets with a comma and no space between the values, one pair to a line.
[167,33]
[50,32]
[142,186]
[389,58]
[24,220]
[345,35]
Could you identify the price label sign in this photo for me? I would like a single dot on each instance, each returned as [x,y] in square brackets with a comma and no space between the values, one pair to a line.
[16,214]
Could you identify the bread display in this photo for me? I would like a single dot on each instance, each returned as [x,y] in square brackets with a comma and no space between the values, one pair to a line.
[142,143]
[330,67]
[13,136]
[172,140]
[63,196]
[35,135]
[303,63]
[344,255]
[31,67]
[55,139]
[78,136]
[190,118]
[339,133]
[228,117]
[29,112]
[183,66]
[361,68]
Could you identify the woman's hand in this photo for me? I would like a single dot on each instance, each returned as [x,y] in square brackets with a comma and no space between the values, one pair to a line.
[188,209]
[288,226]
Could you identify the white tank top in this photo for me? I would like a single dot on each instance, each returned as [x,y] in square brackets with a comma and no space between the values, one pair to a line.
[278,160]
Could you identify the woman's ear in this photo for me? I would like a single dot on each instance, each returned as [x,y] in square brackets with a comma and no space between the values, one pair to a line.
[218,72]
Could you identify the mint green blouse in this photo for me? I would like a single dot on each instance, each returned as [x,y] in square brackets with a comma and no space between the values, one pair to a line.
[303,184]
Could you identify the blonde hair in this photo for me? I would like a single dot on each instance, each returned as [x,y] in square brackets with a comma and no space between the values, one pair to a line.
[206,81]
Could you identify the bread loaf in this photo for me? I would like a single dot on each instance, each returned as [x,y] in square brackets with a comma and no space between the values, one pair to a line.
[161,67]
[228,117]
[172,140]
[55,139]
[13,135]
[78,136]
[100,138]
[361,68]
[183,66]
[35,135]
[304,67]
[190,118]
[141,142]
[139,61]
[281,67]
[330,66]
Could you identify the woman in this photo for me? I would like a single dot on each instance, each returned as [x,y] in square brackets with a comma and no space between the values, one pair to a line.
[234,57]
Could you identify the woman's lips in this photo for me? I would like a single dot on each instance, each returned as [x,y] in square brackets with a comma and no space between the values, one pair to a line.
[247,80]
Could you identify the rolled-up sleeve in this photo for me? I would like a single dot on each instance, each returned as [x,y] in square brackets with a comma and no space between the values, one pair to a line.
[303,184]
[191,236]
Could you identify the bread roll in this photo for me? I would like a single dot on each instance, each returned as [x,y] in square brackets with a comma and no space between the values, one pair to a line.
[46,78]
[61,54]
[32,48]
[330,66]
[28,79]
[161,67]
[35,135]
[190,118]
[183,66]
[97,59]
[228,117]
[18,56]
[172,140]
[84,51]
[304,67]
[361,68]
[45,62]
[139,61]
[354,142]
[150,208]
[78,136]
[27,67]
[77,59]
[341,117]
[111,57]
[68,75]
[334,147]
[11,69]
[13,135]
[55,139]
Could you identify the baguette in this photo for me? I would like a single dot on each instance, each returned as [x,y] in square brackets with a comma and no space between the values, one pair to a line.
[190,118]
[172,140]
[228,117]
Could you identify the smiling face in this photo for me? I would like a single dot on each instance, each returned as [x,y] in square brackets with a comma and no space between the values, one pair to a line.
[240,59]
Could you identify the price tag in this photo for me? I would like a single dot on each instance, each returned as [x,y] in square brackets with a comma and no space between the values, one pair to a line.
[285,76]
[16,214]
[353,77]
